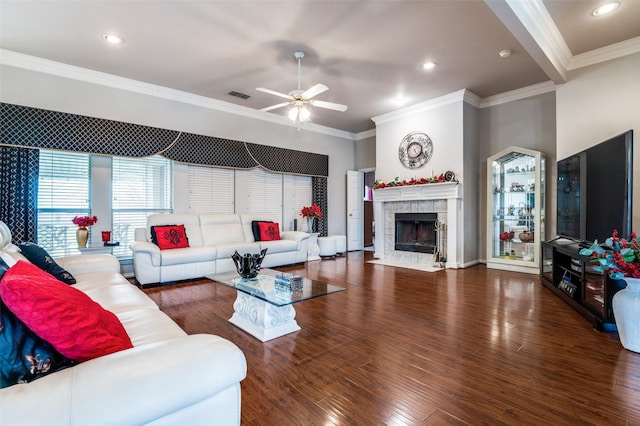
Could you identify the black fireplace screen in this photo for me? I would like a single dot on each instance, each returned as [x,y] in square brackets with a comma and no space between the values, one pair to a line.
[416,232]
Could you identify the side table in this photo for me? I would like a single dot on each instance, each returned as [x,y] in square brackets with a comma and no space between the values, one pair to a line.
[96,250]
[313,251]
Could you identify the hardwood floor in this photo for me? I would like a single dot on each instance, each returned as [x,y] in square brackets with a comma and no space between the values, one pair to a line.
[403,347]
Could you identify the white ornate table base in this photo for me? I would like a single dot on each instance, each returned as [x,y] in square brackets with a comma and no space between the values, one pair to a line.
[261,319]
[313,250]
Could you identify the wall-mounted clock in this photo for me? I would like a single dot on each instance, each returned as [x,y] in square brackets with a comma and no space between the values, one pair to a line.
[415,150]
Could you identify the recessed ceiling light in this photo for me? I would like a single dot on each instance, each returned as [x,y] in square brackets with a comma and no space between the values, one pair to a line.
[112,38]
[428,66]
[400,100]
[606,8]
[505,53]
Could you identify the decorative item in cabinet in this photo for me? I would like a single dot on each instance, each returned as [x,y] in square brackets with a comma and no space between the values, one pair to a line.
[515,207]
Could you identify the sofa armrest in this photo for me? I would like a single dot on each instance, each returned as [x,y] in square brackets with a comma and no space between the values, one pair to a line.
[84,263]
[297,236]
[136,386]
[142,248]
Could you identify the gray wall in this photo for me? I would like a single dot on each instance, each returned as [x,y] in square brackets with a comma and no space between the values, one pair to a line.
[470,185]
[597,103]
[365,153]
[527,123]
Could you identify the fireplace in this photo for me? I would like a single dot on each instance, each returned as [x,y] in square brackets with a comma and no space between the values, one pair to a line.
[415,232]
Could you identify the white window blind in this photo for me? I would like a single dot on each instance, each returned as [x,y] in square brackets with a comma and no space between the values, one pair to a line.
[64,184]
[211,190]
[265,194]
[302,196]
[140,187]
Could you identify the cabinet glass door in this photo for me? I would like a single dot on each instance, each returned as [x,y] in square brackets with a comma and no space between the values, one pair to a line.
[515,207]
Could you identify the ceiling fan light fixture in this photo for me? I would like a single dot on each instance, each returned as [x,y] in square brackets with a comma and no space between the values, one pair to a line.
[299,113]
[293,113]
[304,114]
[606,8]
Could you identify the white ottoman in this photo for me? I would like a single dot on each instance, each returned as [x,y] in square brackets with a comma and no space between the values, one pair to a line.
[327,246]
[341,243]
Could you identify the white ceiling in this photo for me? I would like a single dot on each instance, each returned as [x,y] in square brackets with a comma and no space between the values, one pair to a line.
[367,52]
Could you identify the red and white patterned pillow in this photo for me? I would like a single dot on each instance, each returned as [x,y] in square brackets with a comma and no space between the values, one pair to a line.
[269,231]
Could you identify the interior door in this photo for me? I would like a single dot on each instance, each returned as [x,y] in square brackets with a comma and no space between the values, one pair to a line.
[354,210]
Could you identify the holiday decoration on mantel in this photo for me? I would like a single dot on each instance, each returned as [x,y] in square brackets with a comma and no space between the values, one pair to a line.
[448,176]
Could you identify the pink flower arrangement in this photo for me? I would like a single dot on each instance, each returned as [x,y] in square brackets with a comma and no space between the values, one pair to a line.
[312,211]
[84,221]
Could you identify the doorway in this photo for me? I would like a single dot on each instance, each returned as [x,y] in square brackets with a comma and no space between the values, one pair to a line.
[368,220]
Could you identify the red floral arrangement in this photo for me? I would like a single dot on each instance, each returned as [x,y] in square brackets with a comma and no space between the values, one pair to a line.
[84,221]
[312,211]
[397,182]
[620,257]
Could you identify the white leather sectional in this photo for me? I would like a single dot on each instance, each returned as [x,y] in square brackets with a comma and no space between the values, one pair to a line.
[213,238]
[167,378]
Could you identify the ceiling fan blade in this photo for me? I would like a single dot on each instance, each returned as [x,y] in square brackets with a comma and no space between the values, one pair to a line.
[276,106]
[273,92]
[329,105]
[314,91]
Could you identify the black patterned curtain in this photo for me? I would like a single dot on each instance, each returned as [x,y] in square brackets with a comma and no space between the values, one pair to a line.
[19,195]
[319,196]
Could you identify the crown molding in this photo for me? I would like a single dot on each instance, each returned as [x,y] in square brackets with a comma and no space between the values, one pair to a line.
[472,99]
[33,63]
[517,94]
[451,98]
[606,53]
[538,21]
[366,134]
[530,23]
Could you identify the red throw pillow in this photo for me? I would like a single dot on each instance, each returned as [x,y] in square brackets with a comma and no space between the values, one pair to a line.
[75,325]
[171,236]
[269,231]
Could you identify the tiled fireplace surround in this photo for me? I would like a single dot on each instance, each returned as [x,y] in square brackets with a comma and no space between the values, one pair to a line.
[441,198]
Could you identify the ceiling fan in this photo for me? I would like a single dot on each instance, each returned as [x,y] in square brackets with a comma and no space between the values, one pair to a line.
[299,99]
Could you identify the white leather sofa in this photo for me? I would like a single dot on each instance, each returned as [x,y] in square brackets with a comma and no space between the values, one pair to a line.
[213,238]
[167,378]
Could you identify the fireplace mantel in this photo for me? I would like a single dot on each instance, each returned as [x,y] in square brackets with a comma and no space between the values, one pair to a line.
[446,199]
[427,191]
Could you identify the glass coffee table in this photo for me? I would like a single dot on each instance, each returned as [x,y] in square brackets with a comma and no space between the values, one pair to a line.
[264,309]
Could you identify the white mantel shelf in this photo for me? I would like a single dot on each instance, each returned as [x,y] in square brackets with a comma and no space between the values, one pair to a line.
[427,191]
[449,193]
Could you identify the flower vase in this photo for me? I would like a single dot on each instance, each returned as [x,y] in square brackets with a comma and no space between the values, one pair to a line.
[82,236]
[310,224]
[626,310]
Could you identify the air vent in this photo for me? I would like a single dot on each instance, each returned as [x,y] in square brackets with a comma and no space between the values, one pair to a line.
[239,95]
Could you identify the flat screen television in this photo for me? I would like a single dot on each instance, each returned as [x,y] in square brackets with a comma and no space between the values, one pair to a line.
[595,191]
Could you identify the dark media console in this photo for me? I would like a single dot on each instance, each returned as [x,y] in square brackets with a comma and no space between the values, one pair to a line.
[571,277]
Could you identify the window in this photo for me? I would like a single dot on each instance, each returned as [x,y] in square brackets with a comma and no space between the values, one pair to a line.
[302,188]
[64,188]
[211,190]
[265,194]
[140,187]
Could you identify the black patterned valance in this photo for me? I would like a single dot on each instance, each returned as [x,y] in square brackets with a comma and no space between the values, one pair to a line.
[289,161]
[43,129]
[39,128]
[209,151]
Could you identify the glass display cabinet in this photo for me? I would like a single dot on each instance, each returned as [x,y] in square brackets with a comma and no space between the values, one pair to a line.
[515,209]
